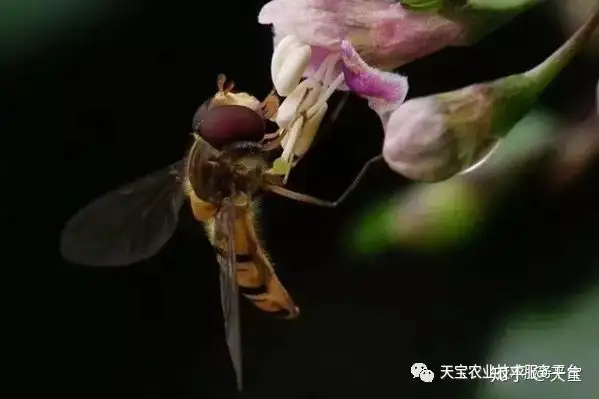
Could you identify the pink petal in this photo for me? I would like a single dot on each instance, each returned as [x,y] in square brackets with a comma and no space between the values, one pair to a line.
[383,33]
[395,37]
[314,22]
[319,54]
[385,90]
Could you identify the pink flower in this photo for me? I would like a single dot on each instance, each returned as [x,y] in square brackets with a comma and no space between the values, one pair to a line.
[384,33]
[306,103]
[343,45]
[435,137]
[336,70]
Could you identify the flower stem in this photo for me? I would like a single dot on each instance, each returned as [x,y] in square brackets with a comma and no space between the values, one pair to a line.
[545,72]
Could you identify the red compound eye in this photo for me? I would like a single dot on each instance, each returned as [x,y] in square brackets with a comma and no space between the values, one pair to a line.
[223,125]
[200,113]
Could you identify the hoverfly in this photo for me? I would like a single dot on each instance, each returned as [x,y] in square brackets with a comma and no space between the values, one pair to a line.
[219,175]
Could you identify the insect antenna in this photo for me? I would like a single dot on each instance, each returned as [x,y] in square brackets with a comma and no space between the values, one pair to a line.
[320,202]
[223,85]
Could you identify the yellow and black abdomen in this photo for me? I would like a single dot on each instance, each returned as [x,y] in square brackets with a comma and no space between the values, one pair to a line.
[256,277]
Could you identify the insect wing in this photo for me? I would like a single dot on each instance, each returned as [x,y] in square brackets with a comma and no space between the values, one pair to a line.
[225,239]
[126,225]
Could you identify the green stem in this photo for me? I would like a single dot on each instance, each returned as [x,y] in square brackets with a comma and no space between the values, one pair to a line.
[481,18]
[545,72]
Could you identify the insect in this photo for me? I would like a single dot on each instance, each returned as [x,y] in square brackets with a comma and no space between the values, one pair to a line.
[224,168]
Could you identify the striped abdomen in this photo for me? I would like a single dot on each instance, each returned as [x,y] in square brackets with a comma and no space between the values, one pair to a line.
[255,274]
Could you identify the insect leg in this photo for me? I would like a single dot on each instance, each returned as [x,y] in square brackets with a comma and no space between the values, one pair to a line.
[270,105]
[320,202]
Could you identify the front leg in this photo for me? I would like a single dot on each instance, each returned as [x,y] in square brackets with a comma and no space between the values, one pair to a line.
[270,105]
[308,199]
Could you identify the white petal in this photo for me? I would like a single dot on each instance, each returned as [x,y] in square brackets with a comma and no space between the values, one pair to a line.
[289,106]
[279,54]
[309,131]
[292,69]
[290,139]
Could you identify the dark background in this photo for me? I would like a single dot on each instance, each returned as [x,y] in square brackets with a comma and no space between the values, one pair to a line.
[111,99]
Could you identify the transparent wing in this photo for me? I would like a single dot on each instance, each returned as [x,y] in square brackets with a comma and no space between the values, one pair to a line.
[224,232]
[127,225]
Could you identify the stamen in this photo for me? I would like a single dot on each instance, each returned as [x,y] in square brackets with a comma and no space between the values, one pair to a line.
[309,90]
[326,65]
[295,129]
[282,132]
[291,144]
[331,70]
[324,97]
[309,131]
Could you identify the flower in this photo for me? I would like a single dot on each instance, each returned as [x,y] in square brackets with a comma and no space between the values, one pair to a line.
[340,45]
[349,45]
[384,33]
[435,137]
[306,104]
[301,113]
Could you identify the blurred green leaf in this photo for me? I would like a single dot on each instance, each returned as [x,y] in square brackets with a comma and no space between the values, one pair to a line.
[422,5]
[482,17]
[426,216]
[501,5]
[440,215]
[533,133]
[27,24]
[551,336]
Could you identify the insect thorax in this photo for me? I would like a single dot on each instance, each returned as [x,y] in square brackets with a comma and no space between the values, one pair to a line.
[235,171]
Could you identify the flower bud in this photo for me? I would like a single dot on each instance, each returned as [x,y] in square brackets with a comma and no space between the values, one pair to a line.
[445,215]
[433,138]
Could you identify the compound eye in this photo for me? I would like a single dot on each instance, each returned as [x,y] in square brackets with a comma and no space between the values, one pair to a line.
[201,111]
[223,125]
